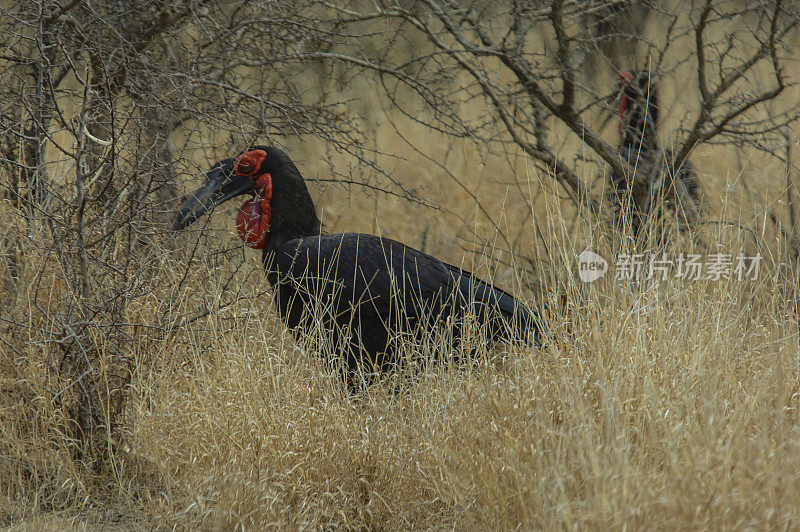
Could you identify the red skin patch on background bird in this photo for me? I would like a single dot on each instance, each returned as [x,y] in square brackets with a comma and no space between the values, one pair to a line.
[625,79]
[253,218]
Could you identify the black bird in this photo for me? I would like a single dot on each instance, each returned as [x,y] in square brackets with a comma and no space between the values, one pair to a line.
[367,292]
[649,170]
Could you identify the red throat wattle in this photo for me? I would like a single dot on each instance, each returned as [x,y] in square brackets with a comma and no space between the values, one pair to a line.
[252,220]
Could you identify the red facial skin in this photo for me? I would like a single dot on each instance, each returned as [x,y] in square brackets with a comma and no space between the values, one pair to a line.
[252,220]
[625,79]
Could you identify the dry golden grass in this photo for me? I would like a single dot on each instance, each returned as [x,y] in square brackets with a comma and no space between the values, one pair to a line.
[670,407]
[667,404]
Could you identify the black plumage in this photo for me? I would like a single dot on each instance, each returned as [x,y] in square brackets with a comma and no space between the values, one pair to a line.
[366,292]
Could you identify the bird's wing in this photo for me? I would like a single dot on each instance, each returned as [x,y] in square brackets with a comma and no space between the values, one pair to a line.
[364,271]
[377,275]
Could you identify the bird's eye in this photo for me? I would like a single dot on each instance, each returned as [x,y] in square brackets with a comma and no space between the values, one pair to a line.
[245,168]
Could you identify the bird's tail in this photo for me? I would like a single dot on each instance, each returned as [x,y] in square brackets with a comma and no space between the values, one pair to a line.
[506,316]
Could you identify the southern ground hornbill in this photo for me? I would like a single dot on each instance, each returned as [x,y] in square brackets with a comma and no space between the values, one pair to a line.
[368,293]
[650,171]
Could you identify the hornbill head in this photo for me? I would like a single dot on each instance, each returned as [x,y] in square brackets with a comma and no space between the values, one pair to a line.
[638,104]
[280,209]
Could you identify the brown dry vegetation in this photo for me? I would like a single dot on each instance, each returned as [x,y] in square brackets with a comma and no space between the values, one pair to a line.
[662,404]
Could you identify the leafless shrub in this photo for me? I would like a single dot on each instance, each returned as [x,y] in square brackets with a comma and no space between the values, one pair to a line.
[102,106]
[520,65]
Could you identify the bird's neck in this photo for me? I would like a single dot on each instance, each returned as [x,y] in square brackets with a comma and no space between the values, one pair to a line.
[293,213]
[288,232]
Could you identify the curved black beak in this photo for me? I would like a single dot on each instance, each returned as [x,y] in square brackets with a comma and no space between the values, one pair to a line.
[223,184]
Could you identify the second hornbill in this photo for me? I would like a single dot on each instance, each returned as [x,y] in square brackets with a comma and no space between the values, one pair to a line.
[650,171]
[367,292]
